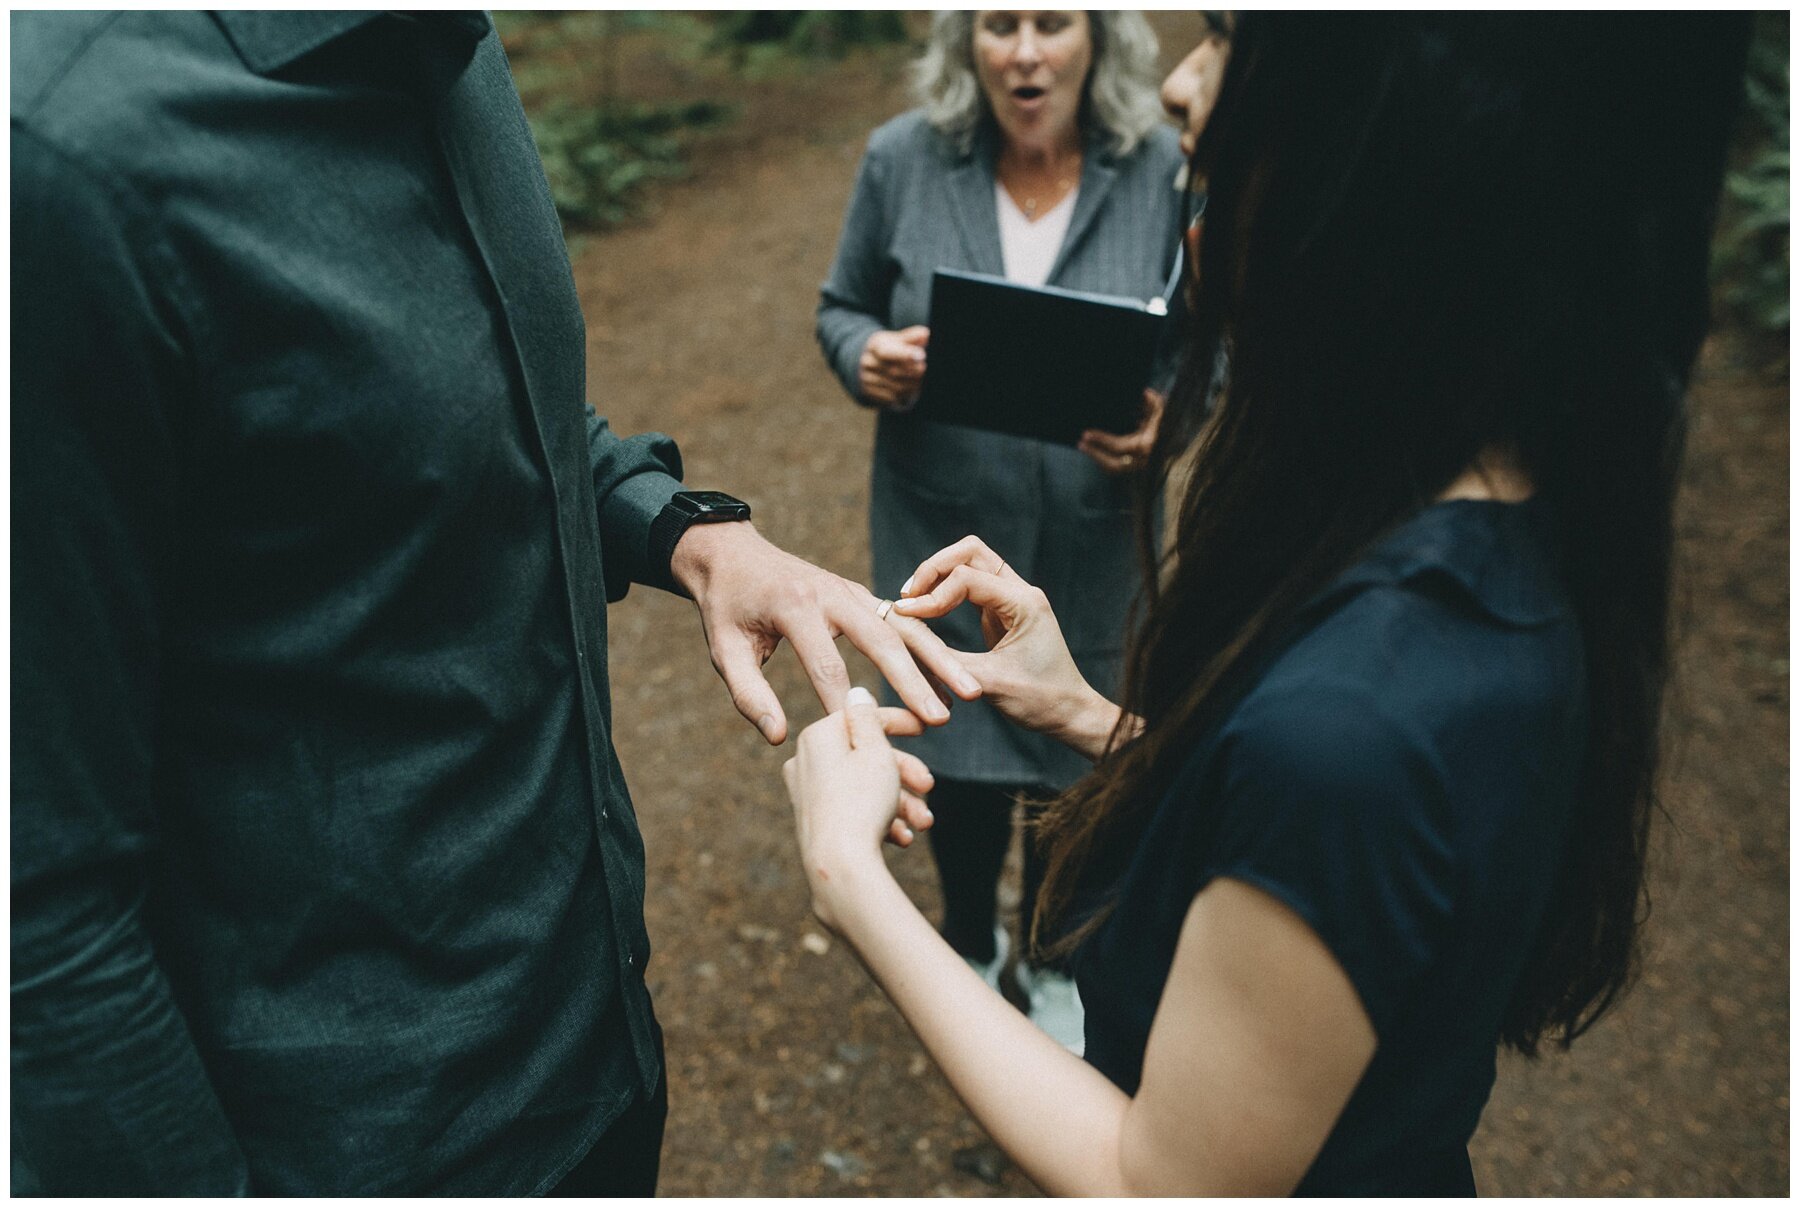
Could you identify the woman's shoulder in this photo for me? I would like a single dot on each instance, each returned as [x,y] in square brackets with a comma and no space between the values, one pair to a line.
[1397,728]
[908,136]
[1426,647]
[1159,148]
[1156,154]
[1151,167]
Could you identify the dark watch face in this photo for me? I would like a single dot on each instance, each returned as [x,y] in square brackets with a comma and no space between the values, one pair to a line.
[714,499]
[702,503]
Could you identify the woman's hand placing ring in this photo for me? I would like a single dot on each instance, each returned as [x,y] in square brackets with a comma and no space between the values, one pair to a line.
[883,608]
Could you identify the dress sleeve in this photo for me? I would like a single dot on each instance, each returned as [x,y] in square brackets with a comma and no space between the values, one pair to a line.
[109,1094]
[1337,808]
[853,301]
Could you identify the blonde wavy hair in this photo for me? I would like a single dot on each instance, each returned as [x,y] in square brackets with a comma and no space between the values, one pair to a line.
[1120,98]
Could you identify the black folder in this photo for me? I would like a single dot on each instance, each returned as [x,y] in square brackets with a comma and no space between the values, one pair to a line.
[1031,361]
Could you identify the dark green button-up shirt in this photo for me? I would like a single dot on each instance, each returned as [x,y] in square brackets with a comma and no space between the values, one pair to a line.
[325,878]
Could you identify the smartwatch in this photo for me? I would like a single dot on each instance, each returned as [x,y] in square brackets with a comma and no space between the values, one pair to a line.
[687,508]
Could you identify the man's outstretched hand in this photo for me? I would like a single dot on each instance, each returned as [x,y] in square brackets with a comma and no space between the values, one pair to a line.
[752,594]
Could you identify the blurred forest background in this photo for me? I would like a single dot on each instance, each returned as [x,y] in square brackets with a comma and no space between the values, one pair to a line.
[701,163]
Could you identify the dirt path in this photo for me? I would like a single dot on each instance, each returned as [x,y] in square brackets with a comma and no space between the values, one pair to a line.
[789,1073]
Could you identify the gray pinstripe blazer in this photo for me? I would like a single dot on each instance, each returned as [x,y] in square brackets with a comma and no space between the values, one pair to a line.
[1052,513]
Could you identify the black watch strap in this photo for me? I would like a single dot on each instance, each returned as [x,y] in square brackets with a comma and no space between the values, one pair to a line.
[684,509]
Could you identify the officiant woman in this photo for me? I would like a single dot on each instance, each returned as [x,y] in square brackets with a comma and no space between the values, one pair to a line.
[1037,153]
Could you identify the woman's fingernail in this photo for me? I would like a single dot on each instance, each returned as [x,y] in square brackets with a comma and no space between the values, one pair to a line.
[766,723]
[906,588]
[968,685]
[859,696]
[935,711]
[906,832]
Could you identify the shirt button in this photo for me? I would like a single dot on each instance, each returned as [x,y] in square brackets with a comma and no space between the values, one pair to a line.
[630,961]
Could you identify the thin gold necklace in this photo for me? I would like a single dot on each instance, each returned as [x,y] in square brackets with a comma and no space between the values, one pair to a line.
[1062,189]
[1031,204]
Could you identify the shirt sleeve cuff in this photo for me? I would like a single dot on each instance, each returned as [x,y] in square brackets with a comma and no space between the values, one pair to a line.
[625,518]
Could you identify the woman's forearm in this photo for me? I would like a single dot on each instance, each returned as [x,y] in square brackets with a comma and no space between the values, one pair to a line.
[1086,724]
[1055,1115]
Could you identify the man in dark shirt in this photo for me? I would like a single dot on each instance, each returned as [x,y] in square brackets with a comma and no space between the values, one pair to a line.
[325,878]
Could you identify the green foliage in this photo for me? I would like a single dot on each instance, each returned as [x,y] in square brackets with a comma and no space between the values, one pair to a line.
[598,158]
[600,149]
[509,23]
[1753,244]
[575,25]
[811,34]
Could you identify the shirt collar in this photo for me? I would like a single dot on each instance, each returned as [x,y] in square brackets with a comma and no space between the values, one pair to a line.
[268,41]
[1500,556]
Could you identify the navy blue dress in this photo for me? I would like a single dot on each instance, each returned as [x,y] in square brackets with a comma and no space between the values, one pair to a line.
[1401,774]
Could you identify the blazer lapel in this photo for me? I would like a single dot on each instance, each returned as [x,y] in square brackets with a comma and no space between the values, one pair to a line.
[970,185]
[1097,177]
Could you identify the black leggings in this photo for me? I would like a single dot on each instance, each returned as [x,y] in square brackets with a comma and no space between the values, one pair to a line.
[972,829]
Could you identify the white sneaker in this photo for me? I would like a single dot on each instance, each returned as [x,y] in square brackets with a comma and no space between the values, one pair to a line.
[990,970]
[1055,1006]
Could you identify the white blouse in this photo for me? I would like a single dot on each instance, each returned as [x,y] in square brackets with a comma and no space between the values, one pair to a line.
[1028,249]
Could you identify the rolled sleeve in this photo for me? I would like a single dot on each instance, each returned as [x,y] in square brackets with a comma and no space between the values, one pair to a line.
[633,478]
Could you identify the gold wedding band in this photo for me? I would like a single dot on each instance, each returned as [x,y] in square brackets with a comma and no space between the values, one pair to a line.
[882,609]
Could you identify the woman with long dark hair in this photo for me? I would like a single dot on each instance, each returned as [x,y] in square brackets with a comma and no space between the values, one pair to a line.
[1377,799]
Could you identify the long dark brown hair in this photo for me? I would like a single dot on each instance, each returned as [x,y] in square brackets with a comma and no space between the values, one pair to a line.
[1431,236]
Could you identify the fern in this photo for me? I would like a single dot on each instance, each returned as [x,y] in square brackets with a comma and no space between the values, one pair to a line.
[1753,244]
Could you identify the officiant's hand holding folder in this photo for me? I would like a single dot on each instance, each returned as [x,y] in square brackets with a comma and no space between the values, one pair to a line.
[1039,362]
